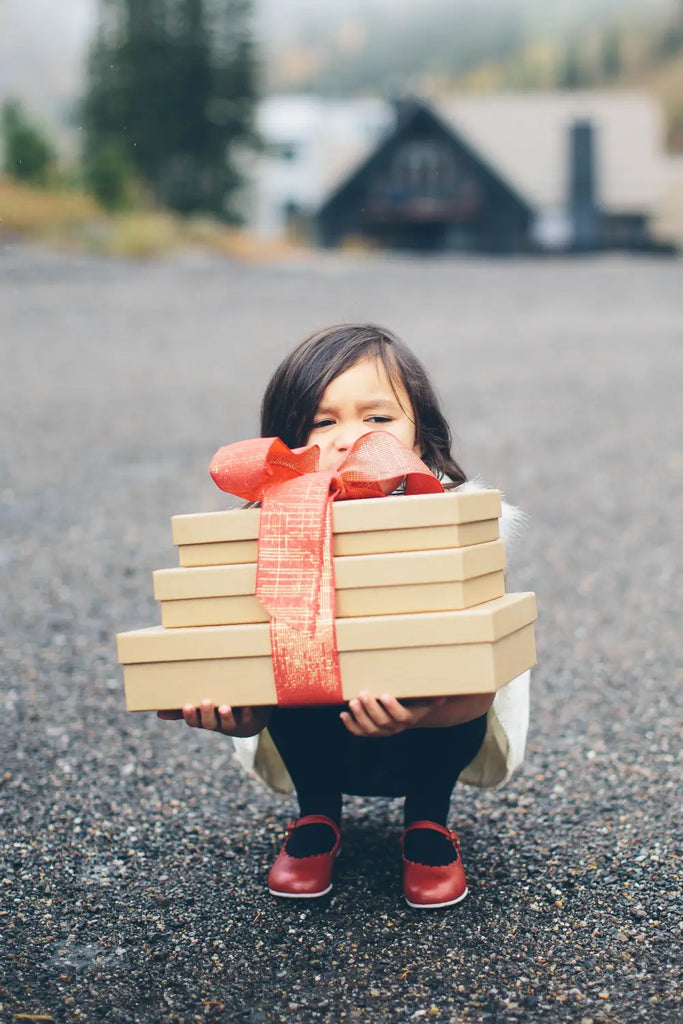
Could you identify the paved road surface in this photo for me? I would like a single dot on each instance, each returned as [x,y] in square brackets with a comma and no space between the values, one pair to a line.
[135,852]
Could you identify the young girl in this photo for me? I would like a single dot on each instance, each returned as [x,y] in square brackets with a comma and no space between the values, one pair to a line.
[336,386]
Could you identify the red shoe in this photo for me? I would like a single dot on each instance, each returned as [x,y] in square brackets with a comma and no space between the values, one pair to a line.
[304,877]
[427,886]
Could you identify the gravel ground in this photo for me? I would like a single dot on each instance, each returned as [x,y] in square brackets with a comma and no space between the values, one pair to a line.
[135,851]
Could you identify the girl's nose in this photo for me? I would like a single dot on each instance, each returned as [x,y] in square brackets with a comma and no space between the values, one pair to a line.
[347,437]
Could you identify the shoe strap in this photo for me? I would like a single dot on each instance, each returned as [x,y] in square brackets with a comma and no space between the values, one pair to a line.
[434,826]
[314,819]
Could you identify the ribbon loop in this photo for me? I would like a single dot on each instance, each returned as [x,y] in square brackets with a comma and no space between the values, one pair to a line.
[247,468]
[295,571]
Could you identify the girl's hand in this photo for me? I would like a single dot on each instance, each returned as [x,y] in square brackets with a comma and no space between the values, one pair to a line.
[247,721]
[386,716]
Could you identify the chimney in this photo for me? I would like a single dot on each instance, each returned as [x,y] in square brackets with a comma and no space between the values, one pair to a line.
[583,206]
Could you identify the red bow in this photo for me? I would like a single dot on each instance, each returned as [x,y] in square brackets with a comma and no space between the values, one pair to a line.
[295,572]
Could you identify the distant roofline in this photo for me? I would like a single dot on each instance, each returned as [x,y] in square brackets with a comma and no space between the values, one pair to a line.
[416,107]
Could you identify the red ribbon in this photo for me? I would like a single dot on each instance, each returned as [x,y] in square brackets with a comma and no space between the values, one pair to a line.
[295,572]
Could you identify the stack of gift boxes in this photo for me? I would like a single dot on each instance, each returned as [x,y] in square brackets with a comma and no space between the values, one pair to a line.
[420,603]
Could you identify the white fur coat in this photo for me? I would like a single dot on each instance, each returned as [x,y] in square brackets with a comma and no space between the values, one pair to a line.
[502,751]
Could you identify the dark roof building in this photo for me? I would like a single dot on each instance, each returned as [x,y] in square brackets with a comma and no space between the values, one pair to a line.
[423,187]
[502,173]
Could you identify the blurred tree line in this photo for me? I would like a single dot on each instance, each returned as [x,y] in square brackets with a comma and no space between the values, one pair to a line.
[596,58]
[467,44]
[171,86]
[29,155]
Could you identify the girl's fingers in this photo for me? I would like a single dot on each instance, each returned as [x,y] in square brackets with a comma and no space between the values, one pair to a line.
[357,721]
[191,716]
[394,709]
[366,714]
[215,719]
[350,723]
[208,716]
[382,715]
[226,717]
[373,717]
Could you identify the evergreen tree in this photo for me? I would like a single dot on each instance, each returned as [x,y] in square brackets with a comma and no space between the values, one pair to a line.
[174,82]
[28,154]
[110,176]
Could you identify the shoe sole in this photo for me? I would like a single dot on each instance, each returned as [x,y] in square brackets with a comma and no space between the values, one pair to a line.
[300,895]
[435,906]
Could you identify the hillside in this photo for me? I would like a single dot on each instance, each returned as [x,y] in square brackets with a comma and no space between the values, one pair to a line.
[618,54]
[475,46]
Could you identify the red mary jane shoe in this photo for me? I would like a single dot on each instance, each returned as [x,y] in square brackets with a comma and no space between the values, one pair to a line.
[428,886]
[304,877]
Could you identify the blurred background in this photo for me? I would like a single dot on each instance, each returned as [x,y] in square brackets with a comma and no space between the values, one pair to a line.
[479,125]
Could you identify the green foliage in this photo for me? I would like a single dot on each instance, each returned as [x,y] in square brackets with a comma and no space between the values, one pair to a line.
[109,175]
[172,83]
[28,154]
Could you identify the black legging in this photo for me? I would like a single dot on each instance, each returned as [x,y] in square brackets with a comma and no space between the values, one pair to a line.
[325,760]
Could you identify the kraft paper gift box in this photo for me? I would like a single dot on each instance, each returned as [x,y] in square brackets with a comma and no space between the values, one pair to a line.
[386,584]
[370,526]
[473,651]
[429,560]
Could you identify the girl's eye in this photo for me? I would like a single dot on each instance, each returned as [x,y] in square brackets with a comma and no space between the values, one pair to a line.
[379,419]
[321,423]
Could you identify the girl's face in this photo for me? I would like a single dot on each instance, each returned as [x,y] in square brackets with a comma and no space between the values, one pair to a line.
[359,400]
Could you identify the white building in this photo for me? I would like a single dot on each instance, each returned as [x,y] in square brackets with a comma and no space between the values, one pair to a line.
[310,144]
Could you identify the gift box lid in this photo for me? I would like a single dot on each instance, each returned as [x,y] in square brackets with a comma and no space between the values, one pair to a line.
[398,512]
[366,542]
[351,571]
[485,623]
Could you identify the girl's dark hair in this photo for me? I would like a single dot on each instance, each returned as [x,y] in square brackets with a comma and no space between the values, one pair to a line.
[293,395]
